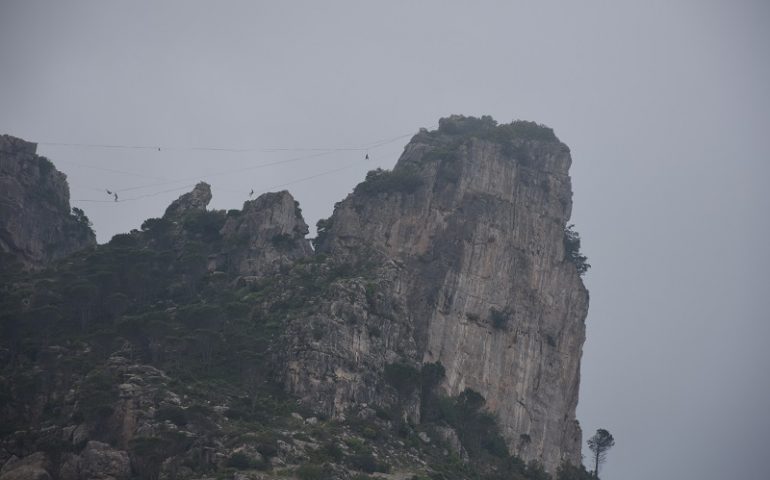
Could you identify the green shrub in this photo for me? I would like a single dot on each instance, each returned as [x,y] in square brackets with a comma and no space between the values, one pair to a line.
[147,455]
[487,128]
[572,250]
[403,377]
[45,167]
[567,471]
[204,223]
[404,180]
[498,318]
[367,463]
[462,125]
[124,240]
[267,449]
[355,444]
[312,472]
[322,230]
[172,413]
[156,225]
[369,432]
[240,461]
[283,241]
[81,218]
[431,376]
[331,451]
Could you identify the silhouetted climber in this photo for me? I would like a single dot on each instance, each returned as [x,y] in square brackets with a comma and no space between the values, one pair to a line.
[116,196]
[367,157]
[109,192]
[251,193]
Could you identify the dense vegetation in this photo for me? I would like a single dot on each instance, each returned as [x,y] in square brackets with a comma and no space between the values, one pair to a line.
[149,296]
[572,250]
[387,181]
[486,127]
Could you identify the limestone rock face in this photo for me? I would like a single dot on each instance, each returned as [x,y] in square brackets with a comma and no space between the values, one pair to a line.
[268,232]
[471,227]
[458,256]
[36,225]
[196,200]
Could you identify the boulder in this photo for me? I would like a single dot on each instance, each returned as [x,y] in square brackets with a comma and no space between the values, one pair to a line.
[100,461]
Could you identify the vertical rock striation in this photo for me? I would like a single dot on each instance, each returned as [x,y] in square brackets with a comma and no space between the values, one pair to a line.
[36,224]
[469,229]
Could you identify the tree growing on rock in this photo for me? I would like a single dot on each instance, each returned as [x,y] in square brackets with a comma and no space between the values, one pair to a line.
[572,250]
[600,444]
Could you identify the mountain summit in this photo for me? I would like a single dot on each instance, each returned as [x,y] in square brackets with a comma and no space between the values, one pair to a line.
[435,330]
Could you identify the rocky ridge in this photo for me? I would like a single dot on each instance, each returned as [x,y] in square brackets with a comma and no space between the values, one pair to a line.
[474,274]
[436,328]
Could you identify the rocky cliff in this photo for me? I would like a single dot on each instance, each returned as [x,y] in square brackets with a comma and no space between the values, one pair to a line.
[434,332]
[472,272]
[36,223]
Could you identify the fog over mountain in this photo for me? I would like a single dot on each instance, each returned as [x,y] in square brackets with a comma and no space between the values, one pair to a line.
[664,107]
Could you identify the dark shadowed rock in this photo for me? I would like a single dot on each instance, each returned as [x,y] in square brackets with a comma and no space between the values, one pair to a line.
[31,467]
[99,460]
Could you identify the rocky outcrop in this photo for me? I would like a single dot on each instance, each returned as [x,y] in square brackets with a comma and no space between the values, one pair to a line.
[37,226]
[162,354]
[31,467]
[195,200]
[268,232]
[470,229]
[99,460]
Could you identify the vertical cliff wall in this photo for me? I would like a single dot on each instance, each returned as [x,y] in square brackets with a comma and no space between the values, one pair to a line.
[36,225]
[467,233]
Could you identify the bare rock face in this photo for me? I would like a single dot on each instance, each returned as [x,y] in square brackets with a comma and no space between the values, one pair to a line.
[470,225]
[267,233]
[36,224]
[196,200]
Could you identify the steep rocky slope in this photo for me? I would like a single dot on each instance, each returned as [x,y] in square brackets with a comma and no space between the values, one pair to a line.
[435,331]
[36,224]
[469,227]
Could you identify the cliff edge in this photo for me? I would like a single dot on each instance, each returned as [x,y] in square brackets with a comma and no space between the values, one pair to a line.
[37,226]
[467,236]
[435,330]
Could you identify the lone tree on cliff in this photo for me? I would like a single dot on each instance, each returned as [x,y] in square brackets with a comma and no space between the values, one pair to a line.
[600,444]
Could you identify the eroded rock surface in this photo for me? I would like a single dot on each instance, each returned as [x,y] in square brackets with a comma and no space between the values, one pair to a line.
[37,226]
[269,232]
[470,230]
[174,356]
[195,200]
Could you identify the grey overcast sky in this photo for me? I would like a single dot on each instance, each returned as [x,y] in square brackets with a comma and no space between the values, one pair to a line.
[664,104]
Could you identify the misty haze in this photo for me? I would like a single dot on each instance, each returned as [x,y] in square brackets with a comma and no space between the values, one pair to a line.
[407,241]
